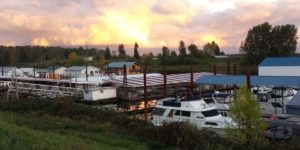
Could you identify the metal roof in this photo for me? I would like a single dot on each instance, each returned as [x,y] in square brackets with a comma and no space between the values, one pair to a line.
[255,80]
[79,68]
[281,61]
[158,79]
[50,68]
[6,69]
[119,64]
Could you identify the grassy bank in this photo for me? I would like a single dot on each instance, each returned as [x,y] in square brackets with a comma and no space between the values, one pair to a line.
[32,131]
[63,124]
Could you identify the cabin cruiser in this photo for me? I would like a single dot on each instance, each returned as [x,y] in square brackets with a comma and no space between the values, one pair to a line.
[193,110]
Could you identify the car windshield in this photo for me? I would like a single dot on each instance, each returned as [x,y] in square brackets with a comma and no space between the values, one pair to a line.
[210,113]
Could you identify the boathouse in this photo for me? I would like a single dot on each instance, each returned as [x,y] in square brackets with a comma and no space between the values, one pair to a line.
[279,66]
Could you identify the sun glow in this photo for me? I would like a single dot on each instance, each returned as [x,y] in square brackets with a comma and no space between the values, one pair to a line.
[210,38]
[117,27]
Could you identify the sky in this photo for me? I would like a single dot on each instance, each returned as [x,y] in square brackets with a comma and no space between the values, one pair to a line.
[150,23]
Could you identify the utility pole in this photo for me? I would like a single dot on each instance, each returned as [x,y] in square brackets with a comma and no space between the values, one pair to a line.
[145,92]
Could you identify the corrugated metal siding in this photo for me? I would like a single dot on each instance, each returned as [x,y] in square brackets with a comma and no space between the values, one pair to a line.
[279,70]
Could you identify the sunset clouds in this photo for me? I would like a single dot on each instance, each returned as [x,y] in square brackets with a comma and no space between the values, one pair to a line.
[151,23]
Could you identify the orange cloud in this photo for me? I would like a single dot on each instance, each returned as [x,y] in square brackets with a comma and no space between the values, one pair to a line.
[40,42]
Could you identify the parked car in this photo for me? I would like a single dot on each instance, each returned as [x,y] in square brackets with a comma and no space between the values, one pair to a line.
[278,133]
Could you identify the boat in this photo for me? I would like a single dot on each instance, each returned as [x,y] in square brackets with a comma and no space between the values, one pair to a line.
[193,110]
[274,102]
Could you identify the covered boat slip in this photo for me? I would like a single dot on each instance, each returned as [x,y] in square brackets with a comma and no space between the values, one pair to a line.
[156,86]
[281,81]
[271,106]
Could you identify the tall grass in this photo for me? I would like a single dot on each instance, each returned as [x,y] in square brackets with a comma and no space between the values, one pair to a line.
[31,131]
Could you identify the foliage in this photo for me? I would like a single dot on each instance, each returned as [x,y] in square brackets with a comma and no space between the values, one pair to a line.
[101,61]
[107,54]
[72,57]
[263,40]
[136,54]
[188,137]
[246,113]
[194,51]
[211,48]
[40,55]
[122,53]
[147,59]
[63,124]
[165,51]
[33,131]
[182,49]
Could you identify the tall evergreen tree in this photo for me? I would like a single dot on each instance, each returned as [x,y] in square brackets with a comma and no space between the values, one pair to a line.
[107,54]
[136,54]
[182,49]
[165,51]
[121,49]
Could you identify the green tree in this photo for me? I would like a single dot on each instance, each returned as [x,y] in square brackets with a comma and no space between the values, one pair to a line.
[107,54]
[72,57]
[182,49]
[245,112]
[194,51]
[13,55]
[211,48]
[283,40]
[165,51]
[121,49]
[147,59]
[101,61]
[257,45]
[263,40]
[136,54]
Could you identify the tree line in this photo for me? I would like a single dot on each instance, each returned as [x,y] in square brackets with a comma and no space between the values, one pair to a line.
[75,56]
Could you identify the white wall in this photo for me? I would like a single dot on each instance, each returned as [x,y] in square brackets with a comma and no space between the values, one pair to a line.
[100,94]
[60,70]
[279,71]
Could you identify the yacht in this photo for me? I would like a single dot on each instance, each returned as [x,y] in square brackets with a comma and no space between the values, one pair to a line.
[193,110]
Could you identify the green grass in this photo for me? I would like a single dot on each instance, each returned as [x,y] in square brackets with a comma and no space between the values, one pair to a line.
[30,131]
[206,65]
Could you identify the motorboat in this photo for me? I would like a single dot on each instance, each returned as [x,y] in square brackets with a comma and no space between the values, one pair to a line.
[193,110]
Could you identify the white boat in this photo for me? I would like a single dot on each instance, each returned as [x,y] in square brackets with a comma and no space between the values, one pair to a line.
[193,110]
[274,101]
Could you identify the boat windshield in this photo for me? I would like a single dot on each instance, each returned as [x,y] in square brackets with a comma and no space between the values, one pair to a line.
[158,111]
[210,113]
